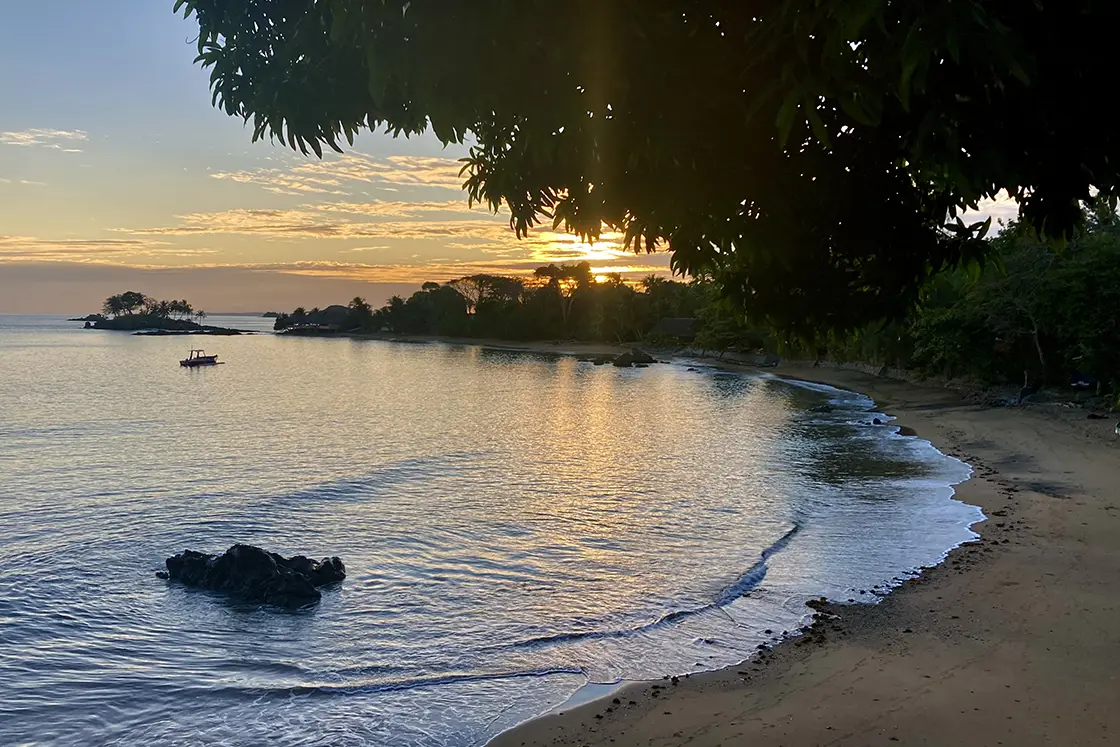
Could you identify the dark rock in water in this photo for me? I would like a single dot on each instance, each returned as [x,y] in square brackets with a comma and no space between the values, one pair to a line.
[822,408]
[876,421]
[256,575]
[624,361]
[640,356]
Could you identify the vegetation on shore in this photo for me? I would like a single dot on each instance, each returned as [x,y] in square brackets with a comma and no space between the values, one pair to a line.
[133,311]
[811,156]
[1033,316]
[558,302]
[806,162]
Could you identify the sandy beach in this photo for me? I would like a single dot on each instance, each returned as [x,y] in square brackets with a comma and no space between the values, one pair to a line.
[1012,641]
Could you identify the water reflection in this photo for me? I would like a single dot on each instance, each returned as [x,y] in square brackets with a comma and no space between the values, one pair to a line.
[514,526]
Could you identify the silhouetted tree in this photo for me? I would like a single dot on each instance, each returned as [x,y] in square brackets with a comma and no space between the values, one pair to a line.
[810,155]
[359,314]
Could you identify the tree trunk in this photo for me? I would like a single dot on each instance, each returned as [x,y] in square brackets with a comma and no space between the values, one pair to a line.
[1041,356]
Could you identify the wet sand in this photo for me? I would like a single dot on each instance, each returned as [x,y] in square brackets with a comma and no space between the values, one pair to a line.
[1014,640]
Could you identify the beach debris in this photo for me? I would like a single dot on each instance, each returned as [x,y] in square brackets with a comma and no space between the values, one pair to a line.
[256,575]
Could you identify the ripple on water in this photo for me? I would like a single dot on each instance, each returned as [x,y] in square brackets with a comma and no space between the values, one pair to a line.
[514,527]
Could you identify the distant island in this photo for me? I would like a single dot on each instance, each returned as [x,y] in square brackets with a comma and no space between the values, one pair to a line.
[135,312]
[270,315]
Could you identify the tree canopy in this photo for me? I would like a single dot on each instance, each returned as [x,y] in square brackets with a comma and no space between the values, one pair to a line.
[809,155]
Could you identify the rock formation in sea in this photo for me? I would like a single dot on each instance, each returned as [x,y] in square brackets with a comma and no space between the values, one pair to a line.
[633,357]
[256,575]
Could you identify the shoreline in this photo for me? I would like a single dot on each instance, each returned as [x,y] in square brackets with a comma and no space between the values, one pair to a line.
[931,662]
[492,343]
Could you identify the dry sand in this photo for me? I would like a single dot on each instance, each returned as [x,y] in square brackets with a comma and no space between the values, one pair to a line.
[1015,640]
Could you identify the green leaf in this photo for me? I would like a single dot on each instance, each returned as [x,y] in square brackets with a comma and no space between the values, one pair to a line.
[985,228]
[785,118]
[850,106]
[815,122]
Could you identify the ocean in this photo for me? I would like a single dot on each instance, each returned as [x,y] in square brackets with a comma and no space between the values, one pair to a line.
[516,528]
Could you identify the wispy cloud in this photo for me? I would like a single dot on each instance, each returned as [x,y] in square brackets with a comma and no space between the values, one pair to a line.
[346,174]
[31,249]
[23,182]
[276,181]
[480,233]
[63,140]
[400,209]
[320,223]
[437,271]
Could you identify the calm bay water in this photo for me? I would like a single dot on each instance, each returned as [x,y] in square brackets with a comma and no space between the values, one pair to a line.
[514,527]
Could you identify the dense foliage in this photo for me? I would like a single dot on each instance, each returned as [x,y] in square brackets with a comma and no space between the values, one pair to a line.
[1035,317]
[1032,317]
[133,303]
[809,154]
[559,302]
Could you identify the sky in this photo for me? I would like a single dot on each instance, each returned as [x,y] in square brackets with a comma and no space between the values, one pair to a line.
[116,173]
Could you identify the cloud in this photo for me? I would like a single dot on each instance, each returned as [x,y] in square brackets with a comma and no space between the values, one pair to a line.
[483,233]
[319,223]
[45,138]
[1003,209]
[439,271]
[30,249]
[342,175]
[281,184]
[399,209]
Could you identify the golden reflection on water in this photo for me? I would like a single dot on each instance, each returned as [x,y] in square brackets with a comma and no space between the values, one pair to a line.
[524,521]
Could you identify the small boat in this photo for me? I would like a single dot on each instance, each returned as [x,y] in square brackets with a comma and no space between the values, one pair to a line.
[199,358]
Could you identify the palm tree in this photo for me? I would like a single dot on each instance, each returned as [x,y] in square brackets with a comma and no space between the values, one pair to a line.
[113,306]
[132,300]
